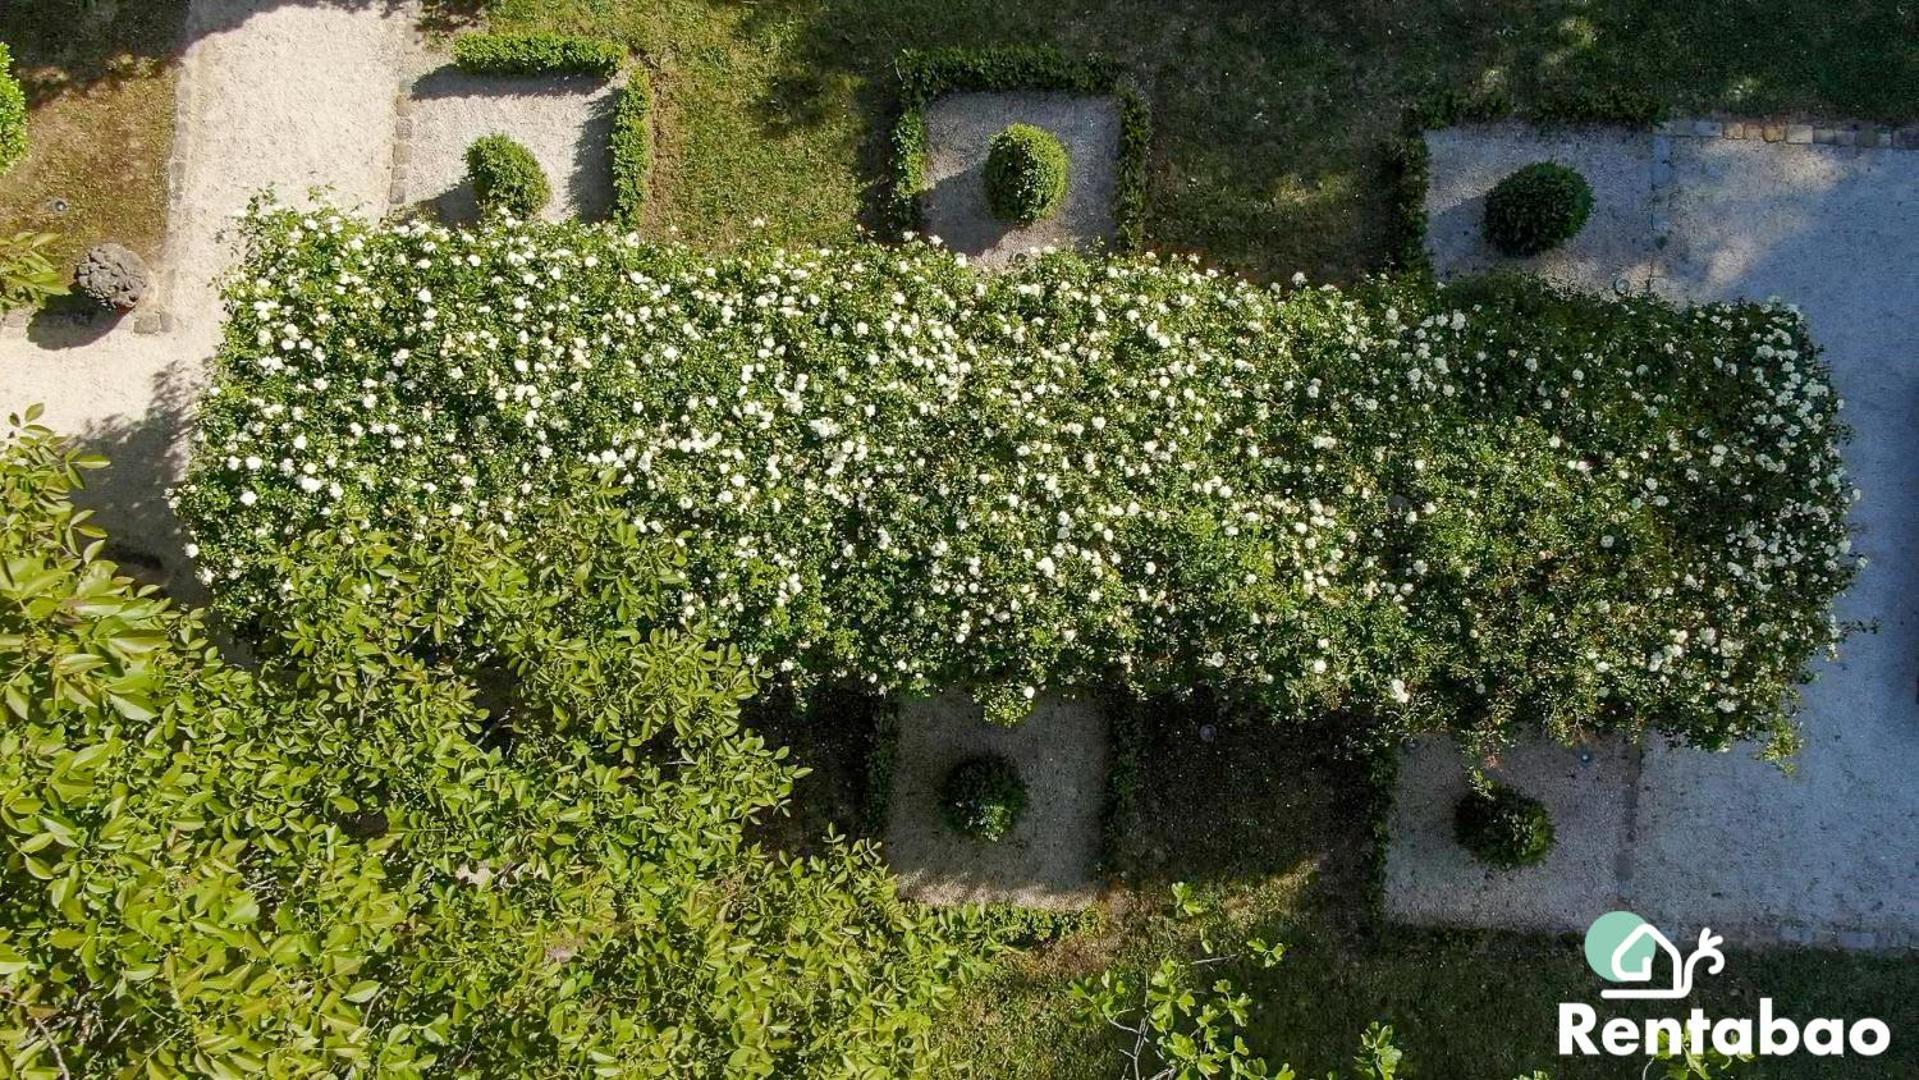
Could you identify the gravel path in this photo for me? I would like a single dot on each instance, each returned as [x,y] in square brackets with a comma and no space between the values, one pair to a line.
[272,95]
[1830,854]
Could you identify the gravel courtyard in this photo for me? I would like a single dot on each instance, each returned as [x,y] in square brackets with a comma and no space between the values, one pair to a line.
[1829,854]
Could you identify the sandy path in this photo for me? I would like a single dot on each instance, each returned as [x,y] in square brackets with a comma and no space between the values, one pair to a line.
[273,94]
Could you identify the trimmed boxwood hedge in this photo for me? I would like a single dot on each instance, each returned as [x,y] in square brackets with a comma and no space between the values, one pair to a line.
[1537,208]
[537,54]
[925,75]
[13,114]
[506,177]
[1503,826]
[983,797]
[633,148]
[1027,171]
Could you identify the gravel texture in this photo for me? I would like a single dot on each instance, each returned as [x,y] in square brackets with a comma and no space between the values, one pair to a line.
[272,95]
[1430,878]
[567,122]
[960,127]
[1829,854]
[1050,859]
[1615,249]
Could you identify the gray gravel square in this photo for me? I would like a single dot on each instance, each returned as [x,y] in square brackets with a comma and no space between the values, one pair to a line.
[1431,879]
[1614,250]
[566,121]
[960,127]
[1050,860]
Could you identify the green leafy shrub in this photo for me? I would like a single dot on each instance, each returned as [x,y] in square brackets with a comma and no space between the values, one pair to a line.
[1503,826]
[1489,510]
[1026,174]
[13,114]
[633,148]
[537,54]
[476,813]
[506,178]
[1537,208]
[983,797]
[27,276]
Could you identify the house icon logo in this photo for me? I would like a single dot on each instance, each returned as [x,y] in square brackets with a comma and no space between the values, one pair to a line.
[1623,948]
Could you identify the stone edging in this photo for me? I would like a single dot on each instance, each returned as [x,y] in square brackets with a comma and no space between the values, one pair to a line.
[1773,131]
[159,319]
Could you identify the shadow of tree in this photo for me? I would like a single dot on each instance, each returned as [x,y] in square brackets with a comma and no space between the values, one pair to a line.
[146,454]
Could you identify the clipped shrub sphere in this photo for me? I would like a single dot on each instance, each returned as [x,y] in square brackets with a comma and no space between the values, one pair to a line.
[1503,826]
[13,114]
[113,277]
[1537,208]
[983,797]
[506,178]
[1026,171]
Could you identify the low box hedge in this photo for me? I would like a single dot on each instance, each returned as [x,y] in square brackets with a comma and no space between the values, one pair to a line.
[13,114]
[923,76]
[633,148]
[537,54]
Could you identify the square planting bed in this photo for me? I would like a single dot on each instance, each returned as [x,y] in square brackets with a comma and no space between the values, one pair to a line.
[566,121]
[959,129]
[1613,252]
[1431,879]
[1050,858]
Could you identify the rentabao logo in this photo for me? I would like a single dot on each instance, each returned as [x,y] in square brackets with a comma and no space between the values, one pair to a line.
[1643,964]
[1624,948]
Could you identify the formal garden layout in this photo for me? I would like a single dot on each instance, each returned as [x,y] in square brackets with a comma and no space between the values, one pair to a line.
[887,538]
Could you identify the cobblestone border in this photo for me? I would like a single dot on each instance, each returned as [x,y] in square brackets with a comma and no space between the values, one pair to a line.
[1840,133]
[156,316]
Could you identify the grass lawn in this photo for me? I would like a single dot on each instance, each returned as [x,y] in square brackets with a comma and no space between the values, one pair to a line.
[99,80]
[1269,115]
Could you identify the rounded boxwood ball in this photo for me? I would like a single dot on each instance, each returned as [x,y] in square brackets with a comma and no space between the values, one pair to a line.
[1503,826]
[1537,208]
[983,797]
[1025,174]
[506,177]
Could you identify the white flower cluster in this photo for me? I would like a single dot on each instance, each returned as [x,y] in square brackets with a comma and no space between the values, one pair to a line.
[1469,511]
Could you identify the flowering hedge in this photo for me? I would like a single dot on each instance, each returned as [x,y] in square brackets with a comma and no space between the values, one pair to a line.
[1489,510]
[461,821]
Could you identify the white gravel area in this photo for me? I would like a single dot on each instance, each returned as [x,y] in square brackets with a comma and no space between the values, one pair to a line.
[1050,860]
[567,122]
[1613,252]
[1829,854]
[960,128]
[272,95]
